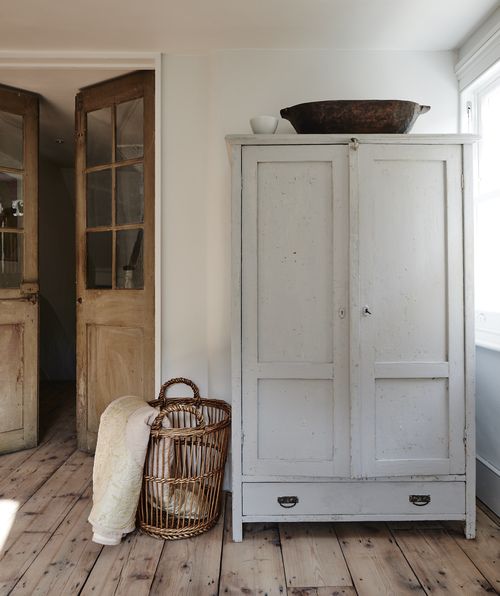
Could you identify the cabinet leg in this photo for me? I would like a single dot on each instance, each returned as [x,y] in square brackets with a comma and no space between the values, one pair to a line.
[237,531]
[470,523]
[470,527]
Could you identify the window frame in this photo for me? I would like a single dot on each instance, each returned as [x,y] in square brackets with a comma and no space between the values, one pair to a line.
[487,322]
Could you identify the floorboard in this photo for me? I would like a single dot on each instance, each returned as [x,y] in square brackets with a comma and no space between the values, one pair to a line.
[64,563]
[254,566]
[191,567]
[440,564]
[484,552]
[377,565]
[48,549]
[312,556]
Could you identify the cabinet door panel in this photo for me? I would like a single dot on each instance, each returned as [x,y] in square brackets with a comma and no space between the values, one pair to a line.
[411,281]
[294,284]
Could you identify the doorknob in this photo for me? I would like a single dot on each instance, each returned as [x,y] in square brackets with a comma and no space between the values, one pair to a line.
[79,300]
[366,311]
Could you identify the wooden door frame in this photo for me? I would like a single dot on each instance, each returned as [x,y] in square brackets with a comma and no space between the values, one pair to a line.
[107,61]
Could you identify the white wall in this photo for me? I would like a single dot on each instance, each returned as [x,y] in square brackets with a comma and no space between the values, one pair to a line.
[487,417]
[209,96]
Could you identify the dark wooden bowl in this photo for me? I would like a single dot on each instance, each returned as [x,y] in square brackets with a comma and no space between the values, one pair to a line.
[369,116]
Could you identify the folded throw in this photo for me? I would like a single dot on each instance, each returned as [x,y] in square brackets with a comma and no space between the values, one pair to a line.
[122,444]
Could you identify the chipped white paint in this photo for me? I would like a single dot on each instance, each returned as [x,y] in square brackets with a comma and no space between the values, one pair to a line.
[349,353]
[411,274]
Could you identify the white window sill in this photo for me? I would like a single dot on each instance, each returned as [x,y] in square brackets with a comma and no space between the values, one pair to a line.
[488,345]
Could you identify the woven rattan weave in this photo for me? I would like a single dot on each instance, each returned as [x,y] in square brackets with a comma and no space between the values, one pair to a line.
[184,468]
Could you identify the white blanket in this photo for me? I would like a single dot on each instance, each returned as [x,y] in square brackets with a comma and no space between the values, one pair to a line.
[122,444]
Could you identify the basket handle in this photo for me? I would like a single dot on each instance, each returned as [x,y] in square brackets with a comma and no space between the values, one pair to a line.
[180,380]
[157,423]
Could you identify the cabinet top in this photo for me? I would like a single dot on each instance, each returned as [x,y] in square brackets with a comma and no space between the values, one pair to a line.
[341,139]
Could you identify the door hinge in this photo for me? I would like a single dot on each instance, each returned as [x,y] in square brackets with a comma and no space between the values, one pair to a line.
[354,144]
[29,292]
[462,181]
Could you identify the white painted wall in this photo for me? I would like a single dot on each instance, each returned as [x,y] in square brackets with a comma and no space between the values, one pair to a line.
[488,404]
[210,95]
[487,417]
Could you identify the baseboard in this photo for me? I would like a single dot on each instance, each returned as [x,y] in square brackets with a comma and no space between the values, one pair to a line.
[488,484]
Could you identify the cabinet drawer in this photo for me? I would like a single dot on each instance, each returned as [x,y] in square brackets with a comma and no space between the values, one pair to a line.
[354,498]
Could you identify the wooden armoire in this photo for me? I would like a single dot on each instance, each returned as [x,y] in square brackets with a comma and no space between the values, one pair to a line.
[352,328]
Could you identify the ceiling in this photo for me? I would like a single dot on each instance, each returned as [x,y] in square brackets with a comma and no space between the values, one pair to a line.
[201,25]
[177,25]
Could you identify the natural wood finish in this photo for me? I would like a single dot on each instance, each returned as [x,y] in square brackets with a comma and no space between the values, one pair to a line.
[484,551]
[115,328]
[49,550]
[330,591]
[139,569]
[39,517]
[19,313]
[57,428]
[191,567]
[312,556]
[122,163]
[25,480]
[440,564]
[105,575]
[376,564]
[66,560]
[254,566]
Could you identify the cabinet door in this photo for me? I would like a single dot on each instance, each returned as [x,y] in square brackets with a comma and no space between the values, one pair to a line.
[410,413]
[294,324]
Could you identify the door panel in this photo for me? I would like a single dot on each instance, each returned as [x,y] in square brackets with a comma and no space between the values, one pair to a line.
[411,281]
[122,349]
[294,287]
[18,269]
[115,246]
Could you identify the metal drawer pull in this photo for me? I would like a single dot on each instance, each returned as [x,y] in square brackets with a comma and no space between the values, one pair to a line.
[288,502]
[420,500]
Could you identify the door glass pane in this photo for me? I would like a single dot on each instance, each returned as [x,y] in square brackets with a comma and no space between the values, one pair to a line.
[11,259]
[99,198]
[11,140]
[99,137]
[129,259]
[129,129]
[11,200]
[129,194]
[99,259]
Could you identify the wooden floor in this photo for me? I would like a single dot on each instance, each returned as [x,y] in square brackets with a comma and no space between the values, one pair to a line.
[48,549]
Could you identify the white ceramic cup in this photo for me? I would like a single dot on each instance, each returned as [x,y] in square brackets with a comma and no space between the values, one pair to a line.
[262,125]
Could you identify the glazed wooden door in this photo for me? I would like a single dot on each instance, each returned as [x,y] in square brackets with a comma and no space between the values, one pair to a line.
[411,311]
[18,269]
[115,246]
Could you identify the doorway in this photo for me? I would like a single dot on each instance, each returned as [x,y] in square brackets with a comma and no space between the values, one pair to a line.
[57,256]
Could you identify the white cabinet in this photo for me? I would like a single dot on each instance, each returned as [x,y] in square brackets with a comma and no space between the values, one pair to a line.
[351,348]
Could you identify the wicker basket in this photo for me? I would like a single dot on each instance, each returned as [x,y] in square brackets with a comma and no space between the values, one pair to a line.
[184,468]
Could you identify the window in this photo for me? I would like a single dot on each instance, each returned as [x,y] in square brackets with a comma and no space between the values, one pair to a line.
[483,110]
